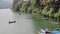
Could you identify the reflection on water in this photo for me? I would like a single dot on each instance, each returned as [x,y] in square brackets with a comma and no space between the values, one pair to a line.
[22,25]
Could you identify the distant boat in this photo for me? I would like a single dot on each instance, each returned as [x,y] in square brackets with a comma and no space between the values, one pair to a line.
[12,22]
[55,23]
[20,13]
[44,18]
[30,18]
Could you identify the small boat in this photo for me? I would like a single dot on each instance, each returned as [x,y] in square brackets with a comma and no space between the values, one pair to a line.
[55,32]
[44,18]
[46,31]
[19,13]
[30,18]
[12,22]
[55,23]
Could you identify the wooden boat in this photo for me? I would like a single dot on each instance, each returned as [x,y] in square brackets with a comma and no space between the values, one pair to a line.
[12,22]
[44,18]
[55,23]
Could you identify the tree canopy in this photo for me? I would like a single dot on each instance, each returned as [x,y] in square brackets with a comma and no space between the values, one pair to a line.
[50,8]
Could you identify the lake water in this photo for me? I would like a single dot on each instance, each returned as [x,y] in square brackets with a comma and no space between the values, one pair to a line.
[22,25]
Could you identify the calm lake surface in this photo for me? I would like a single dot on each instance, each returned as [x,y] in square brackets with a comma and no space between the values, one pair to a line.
[22,25]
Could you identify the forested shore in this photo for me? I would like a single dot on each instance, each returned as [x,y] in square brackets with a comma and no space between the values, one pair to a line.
[40,9]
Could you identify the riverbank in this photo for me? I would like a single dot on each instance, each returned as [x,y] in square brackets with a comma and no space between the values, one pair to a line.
[39,23]
[41,8]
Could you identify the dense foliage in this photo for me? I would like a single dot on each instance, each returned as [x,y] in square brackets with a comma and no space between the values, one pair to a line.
[48,8]
[45,7]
